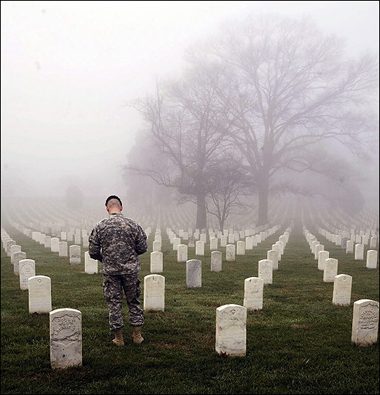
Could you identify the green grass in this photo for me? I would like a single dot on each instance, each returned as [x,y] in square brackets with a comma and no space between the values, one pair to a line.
[299,343]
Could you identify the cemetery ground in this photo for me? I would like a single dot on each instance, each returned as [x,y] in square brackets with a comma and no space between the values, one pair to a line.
[298,343]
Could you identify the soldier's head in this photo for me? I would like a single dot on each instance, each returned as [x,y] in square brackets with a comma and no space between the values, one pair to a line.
[114,204]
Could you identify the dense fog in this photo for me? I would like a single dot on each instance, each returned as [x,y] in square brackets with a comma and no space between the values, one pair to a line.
[70,69]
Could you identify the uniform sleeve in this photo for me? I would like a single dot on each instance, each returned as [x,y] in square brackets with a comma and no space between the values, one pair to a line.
[94,248]
[141,244]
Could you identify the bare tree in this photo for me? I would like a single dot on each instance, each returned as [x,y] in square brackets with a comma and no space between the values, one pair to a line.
[328,176]
[227,185]
[291,87]
[188,132]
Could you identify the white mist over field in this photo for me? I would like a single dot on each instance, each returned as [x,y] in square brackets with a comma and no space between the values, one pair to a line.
[68,68]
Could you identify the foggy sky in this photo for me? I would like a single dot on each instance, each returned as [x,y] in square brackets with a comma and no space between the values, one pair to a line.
[69,68]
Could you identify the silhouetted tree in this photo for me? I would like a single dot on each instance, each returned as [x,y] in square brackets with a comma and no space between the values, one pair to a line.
[226,187]
[185,125]
[290,88]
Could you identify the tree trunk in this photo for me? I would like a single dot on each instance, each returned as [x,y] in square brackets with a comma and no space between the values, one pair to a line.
[263,203]
[201,212]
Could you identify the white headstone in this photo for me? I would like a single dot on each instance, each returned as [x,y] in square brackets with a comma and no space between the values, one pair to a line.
[342,290]
[322,256]
[365,322]
[54,244]
[216,261]
[284,239]
[39,288]
[240,247]
[359,251]
[9,244]
[13,249]
[371,262]
[156,262]
[17,257]
[373,242]
[181,253]
[90,265]
[223,241]
[75,254]
[199,247]
[65,338]
[36,236]
[313,244]
[317,249]
[230,252]
[156,245]
[277,247]
[331,270]
[193,273]
[266,271]
[273,256]
[231,332]
[350,246]
[27,268]
[154,292]
[253,293]
[249,243]
[281,244]
[213,243]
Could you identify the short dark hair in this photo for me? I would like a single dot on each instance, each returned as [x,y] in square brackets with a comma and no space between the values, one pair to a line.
[113,197]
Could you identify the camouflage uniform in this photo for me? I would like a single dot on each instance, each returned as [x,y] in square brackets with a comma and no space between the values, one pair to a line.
[117,242]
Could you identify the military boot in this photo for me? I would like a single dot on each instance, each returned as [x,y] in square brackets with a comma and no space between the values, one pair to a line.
[136,335]
[119,341]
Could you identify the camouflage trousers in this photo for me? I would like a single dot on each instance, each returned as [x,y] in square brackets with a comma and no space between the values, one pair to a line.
[113,289]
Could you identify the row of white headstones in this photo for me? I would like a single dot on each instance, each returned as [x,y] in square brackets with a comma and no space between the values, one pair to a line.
[56,217]
[64,353]
[231,319]
[366,311]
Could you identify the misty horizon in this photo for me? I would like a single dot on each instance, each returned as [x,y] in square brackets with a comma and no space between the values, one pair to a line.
[70,69]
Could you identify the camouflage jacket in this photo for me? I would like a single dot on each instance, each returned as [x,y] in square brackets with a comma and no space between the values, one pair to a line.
[117,242]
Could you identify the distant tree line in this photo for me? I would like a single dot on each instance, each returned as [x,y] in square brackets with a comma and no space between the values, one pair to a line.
[263,108]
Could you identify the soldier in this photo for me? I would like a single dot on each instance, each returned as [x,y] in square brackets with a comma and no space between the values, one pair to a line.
[117,242]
